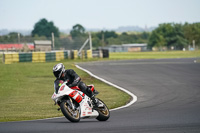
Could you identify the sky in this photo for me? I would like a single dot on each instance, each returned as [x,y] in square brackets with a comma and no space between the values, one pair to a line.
[101,14]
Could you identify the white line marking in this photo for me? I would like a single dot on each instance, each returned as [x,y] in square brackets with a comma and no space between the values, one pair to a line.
[33,120]
[134,97]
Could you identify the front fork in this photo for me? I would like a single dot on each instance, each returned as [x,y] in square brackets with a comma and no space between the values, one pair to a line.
[69,102]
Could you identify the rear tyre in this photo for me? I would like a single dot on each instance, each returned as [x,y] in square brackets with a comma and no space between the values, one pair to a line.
[104,112]
[71,115]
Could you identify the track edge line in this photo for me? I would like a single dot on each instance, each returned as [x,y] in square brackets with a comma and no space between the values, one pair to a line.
[134,97]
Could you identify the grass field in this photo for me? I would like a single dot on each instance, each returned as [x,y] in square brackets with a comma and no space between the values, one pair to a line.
[26,90]
[155,55]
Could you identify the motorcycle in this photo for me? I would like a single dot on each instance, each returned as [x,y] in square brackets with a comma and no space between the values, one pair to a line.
[76,105]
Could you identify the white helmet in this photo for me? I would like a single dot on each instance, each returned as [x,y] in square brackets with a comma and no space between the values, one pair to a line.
[58,69]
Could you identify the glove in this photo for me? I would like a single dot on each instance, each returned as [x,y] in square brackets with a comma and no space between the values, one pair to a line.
[70,86]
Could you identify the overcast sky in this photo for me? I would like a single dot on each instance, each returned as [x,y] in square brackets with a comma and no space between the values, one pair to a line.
[23,14]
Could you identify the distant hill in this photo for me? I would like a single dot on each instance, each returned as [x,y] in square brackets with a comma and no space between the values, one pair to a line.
[23,32]
[134,28]
[119,29]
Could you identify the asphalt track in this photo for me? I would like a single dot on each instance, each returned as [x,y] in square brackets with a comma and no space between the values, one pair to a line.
[168,92]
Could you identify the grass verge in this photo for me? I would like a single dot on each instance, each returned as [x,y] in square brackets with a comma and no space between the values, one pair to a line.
[155,55]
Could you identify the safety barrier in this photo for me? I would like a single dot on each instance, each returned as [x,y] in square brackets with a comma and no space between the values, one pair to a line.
[59,56]
[38,57]
[89,54]
[25,57]
[50,56]
[9,58]
[75,54]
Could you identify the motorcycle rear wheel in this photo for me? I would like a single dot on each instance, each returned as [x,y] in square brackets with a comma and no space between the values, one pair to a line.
[73,116]
[104,112]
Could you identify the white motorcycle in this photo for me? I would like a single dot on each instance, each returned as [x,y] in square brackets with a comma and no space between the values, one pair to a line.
[75,105]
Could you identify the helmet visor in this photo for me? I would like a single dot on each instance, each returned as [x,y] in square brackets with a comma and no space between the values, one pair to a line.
[57,74]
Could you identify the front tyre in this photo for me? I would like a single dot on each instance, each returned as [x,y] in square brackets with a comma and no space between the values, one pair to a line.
[72,115]
[103,111]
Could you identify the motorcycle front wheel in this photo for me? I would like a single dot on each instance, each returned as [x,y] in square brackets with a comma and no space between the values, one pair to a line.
[104,112]
[72,115]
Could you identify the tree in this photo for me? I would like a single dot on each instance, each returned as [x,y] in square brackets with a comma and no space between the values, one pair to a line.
[106,34]
[168,34]
[179,41]
[192,32]
[45,28]
[111,37]
[12,37]
[144,35]
[77,31]
[156,40]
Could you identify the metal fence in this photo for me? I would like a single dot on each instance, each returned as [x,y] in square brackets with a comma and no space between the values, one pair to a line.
[61,43]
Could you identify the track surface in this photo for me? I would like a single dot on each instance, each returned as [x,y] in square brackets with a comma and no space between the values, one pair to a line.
[168,92]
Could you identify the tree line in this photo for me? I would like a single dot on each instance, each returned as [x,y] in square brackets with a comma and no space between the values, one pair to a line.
[165,35]
[175,35]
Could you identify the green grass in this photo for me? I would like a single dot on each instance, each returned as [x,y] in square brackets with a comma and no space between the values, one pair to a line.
[26,90]
[1,56]
[155,55]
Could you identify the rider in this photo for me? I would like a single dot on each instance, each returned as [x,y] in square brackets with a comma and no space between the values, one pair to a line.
[72,79]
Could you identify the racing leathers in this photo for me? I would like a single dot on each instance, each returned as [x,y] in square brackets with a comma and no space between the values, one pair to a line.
[73,80]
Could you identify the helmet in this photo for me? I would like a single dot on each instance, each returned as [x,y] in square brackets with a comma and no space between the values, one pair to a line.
[58,69]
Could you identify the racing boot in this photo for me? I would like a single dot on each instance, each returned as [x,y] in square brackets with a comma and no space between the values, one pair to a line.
[92,93]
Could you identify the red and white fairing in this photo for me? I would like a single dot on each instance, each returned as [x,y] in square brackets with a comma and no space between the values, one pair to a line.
[79,97]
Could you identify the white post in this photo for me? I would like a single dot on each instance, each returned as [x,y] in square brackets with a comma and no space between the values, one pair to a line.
[52,40]
[193,44]
[90,38]
[18,38]
[79,52]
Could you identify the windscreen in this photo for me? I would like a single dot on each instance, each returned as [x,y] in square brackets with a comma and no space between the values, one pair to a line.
[57,84]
